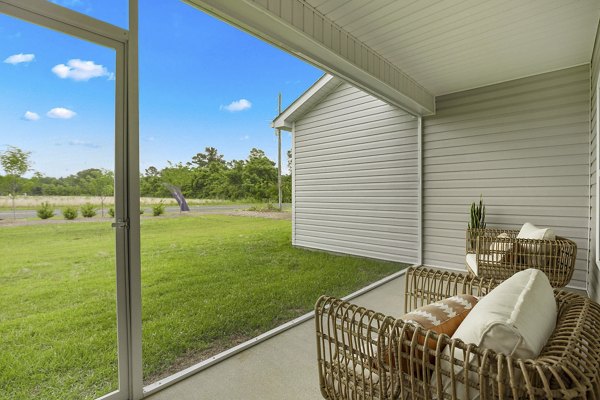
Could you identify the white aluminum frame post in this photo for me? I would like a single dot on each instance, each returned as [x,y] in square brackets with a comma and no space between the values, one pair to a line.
[597,170]
[128,277]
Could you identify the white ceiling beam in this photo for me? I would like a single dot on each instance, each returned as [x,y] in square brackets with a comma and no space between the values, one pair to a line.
[299,29]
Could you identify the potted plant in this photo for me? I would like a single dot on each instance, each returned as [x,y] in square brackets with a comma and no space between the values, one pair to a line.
[476,223]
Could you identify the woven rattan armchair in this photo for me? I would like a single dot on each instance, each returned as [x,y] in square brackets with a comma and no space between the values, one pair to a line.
[499,258]
[363,354]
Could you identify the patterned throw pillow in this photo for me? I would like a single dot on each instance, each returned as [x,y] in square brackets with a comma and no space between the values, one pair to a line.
[443,316]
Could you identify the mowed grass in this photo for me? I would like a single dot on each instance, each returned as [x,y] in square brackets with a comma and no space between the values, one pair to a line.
[208,282]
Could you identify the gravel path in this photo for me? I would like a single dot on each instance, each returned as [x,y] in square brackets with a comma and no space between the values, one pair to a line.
[6,222]
[262,214]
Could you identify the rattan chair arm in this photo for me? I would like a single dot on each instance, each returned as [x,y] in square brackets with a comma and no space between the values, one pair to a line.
[472,235]
[425,286]
[349,338]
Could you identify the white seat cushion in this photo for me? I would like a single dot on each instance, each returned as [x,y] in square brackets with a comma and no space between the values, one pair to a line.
[502,246]
[471,261]
[499,249]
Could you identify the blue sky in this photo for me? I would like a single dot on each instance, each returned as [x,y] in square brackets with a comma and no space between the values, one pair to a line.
[202,83]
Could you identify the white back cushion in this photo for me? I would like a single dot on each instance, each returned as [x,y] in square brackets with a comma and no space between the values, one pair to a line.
[516,318]
[530,231]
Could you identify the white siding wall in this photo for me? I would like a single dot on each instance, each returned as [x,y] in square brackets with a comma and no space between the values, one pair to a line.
[524,145]
[356,181]
[594,272]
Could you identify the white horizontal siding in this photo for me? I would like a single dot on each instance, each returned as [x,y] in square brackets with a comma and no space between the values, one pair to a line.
[356,182]
[523,145]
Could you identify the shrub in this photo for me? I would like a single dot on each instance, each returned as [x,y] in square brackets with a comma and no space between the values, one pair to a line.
[69,212]
[45,211]
[265,208]
[158,209]
[111,211]
[88,210]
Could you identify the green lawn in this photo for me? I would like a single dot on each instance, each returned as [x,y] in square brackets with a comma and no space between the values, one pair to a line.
[208,282]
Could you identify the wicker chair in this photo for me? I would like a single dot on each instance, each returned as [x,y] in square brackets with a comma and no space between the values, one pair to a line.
[363,354]
[500,258]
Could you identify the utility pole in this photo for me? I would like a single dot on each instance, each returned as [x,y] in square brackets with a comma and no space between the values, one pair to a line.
[279,157]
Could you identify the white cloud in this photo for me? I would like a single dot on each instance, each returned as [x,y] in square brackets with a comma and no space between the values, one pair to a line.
[245,137]
[61,113]
[80,70]
[19,58]
[31,116]
[83,144]
[238,105]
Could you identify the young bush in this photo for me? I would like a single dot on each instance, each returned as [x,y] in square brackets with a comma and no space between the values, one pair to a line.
[158,209]
[264,208]
[45,211]
[88,210]
[111,212]
[69,213]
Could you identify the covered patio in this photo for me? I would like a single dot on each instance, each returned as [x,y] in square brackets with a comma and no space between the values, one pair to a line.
[283,367]
[498,98]
[503,99]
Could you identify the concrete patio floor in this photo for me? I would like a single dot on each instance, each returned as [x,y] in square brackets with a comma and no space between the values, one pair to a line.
[282,367]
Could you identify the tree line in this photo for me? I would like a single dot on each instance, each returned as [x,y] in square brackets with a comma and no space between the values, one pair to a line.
[206,176]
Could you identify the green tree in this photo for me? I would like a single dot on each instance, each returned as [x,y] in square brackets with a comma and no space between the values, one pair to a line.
[34,186]
[151,183]
[234,180]
[98,182]
[286,188]
[15,163]
[178,175]
[260,176]
[210,155]
[209,180]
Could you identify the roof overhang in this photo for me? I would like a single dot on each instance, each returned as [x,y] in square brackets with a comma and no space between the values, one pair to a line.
[298,28]
[408,52]
[451,46]
[313,95]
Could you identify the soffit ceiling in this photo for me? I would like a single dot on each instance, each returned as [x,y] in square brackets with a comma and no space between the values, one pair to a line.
[449,46]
